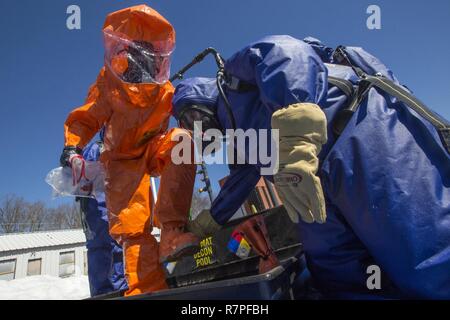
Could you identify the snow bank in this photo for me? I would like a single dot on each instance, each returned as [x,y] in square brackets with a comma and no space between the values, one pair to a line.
[45,288]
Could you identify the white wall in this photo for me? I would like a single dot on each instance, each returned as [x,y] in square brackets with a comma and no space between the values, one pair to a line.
[50,259]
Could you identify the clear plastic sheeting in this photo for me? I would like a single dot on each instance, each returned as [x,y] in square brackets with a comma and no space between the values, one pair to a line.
[86,182]
[138,61]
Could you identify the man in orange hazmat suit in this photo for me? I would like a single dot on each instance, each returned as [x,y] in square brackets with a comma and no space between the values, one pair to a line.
[132,99]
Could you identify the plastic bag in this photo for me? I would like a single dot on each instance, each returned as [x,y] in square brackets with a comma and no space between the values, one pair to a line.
[85,179]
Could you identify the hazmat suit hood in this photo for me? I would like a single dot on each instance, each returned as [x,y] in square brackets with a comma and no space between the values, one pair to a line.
[138,46]
[141,23]
[284,71]
[191,91]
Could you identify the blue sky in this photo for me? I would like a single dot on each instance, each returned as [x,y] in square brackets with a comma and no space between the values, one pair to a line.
[46,69]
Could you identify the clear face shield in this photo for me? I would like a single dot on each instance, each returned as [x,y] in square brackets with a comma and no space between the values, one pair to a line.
[138,61]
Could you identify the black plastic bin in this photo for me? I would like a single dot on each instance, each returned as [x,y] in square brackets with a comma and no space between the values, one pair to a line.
[273,285]
[226,276]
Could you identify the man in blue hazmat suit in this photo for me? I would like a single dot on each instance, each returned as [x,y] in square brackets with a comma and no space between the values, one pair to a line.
[385,175]
[105,256]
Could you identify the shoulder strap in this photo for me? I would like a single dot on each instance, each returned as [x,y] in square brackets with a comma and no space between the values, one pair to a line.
[382,83]
[344,85]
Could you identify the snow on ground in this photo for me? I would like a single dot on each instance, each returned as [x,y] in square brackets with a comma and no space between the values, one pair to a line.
[45,288]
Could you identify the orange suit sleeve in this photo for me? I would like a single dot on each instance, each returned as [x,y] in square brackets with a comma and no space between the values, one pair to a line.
[84,122]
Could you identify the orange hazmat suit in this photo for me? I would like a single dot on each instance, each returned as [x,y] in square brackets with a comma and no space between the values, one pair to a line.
[137,143]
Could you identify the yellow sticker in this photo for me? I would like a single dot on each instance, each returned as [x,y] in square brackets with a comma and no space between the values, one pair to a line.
[205,256]
[244,249]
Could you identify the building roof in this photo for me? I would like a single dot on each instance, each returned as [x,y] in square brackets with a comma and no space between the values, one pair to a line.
[21,241]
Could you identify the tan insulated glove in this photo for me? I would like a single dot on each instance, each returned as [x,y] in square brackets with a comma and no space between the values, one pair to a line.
[303,131]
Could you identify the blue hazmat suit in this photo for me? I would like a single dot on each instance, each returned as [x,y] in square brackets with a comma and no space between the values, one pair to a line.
[386,178]
[105,256]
